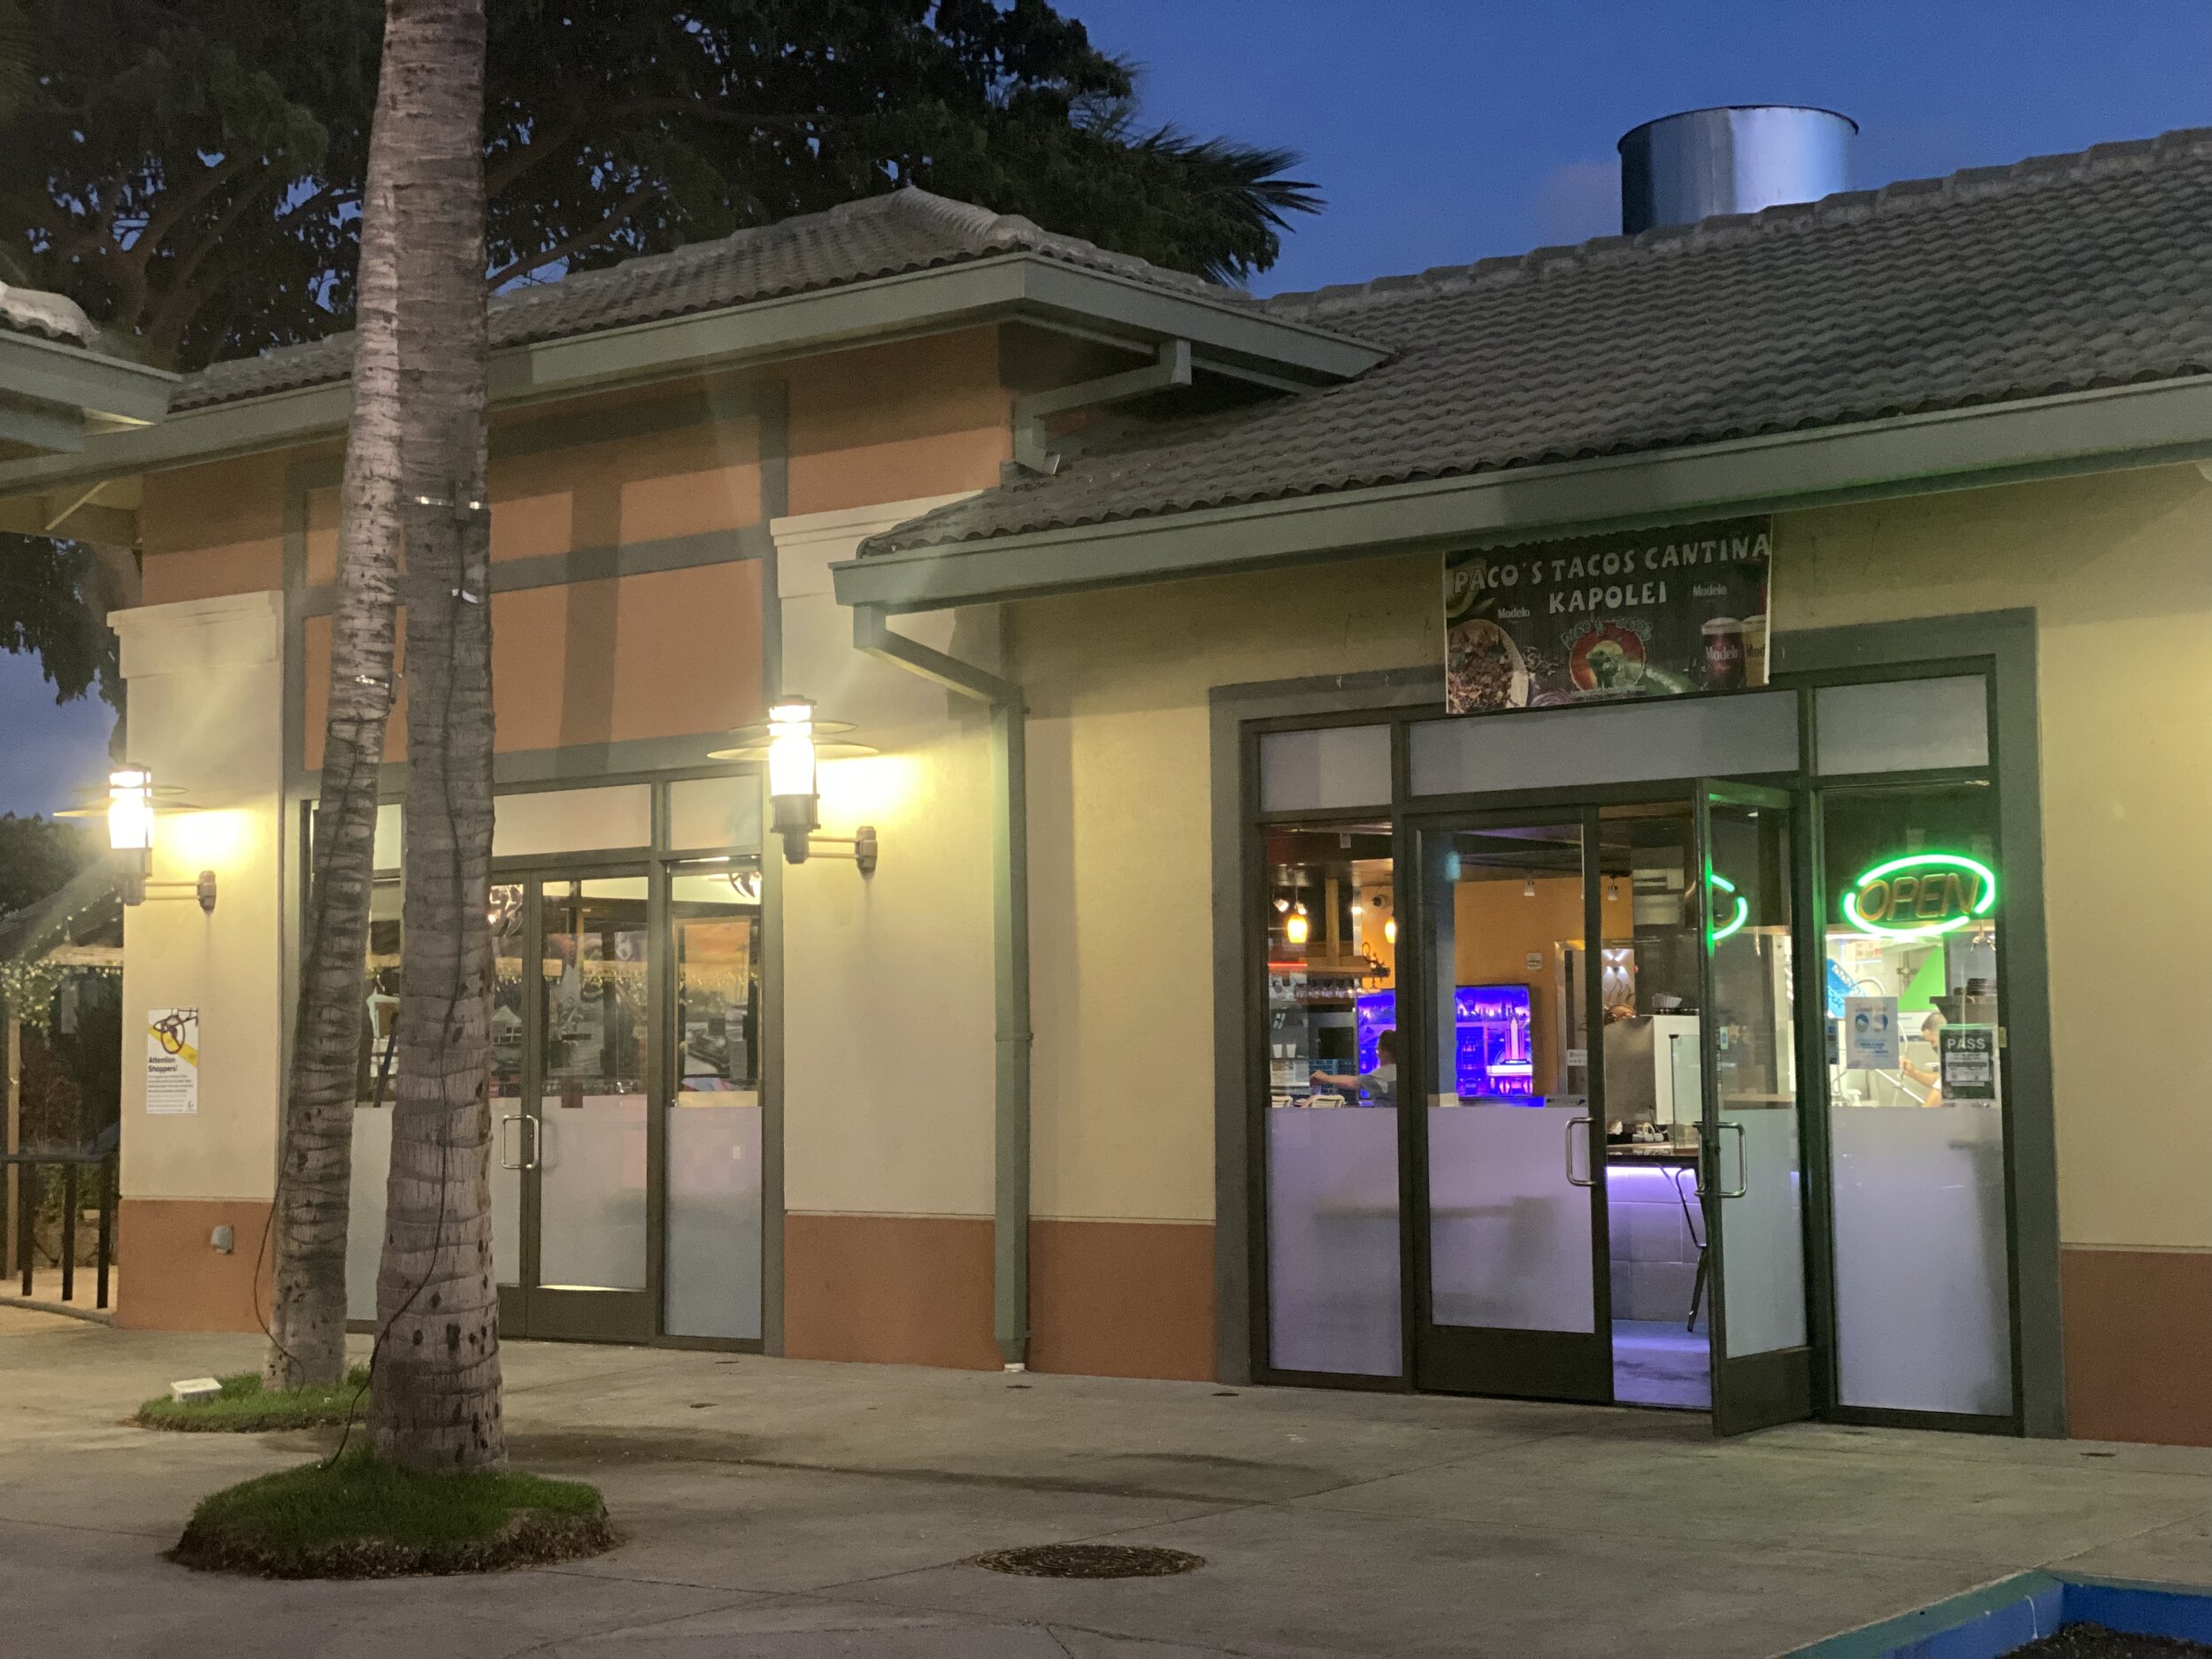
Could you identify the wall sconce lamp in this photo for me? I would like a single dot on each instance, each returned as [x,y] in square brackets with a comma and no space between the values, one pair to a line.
[790,740]
[133,801]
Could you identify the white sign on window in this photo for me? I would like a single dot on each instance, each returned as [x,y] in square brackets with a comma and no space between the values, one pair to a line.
[172,1060]
[1869,1033]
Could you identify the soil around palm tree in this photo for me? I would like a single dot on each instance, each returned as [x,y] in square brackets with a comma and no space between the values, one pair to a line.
[356,1517]
[2094,1641]
[245,1407]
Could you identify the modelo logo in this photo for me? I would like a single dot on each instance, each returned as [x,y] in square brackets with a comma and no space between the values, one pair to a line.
[1920,896]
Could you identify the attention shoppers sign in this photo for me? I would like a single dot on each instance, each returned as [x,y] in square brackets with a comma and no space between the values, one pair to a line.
[1647,613]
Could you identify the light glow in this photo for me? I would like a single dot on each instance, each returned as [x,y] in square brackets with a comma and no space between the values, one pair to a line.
[1735,924]
[198,839]
[1883,889]
[131,810]
[1296,928]
[791,748]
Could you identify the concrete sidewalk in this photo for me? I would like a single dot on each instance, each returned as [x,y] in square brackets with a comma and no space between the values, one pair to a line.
[789,1507]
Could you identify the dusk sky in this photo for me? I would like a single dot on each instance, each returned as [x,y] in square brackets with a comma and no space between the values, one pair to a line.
[1442,132]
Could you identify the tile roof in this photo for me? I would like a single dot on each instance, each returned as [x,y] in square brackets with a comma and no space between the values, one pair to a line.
[2057,274]
[877,236]
[35,311]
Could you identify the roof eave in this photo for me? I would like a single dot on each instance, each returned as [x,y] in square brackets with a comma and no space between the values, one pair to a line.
[2144,425]
[37,370]
[1225,337]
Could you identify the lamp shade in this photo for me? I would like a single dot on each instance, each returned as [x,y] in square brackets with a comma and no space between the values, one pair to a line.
[791,748]
[130,809]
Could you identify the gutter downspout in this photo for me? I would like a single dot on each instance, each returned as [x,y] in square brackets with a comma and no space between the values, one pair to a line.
[1009,858]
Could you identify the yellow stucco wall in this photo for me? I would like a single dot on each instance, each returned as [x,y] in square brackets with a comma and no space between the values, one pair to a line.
[205,697]
[2119,568]
[1120,850]
[889,991]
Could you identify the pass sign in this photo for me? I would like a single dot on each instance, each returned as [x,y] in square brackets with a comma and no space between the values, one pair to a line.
[1968,1062]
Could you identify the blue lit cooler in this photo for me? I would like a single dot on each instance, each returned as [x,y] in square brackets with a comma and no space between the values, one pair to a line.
[1495,1057]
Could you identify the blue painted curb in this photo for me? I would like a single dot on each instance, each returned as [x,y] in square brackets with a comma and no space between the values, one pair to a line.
[1988,1623]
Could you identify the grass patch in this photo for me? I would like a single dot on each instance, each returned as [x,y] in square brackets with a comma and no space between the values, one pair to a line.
[360,1519]
[246,1408]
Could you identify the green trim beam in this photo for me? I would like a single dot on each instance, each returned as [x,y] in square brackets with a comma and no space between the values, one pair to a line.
[1227,337]
[2161,423]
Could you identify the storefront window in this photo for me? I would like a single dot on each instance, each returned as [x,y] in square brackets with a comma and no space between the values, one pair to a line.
[372,1082]
[714,1121]
[1509,1245]
[1914,903]
[592,1163]
[1331,1143]
[511,1132]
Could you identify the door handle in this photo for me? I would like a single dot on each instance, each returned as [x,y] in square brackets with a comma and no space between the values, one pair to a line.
[1743,1167]
[1572,1180]
[537,1147]
[505,1140]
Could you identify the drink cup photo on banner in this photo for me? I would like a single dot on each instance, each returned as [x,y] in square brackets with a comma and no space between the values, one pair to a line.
[1646,613]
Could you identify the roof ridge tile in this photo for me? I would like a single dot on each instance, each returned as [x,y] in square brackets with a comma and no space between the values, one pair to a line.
[1899,195]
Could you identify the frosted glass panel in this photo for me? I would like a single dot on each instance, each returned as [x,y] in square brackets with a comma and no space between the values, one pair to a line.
[1764,1275]
[511,1136]
[705,812]
[1902,726]
[1682,737]
[1339,765]
[713,1268]
[388,852]
[572,820]
[591,1113]
[1921,1299]
[1332,1240]
[592,1173]
[364,1217]
[1509,1234]
[507,1195]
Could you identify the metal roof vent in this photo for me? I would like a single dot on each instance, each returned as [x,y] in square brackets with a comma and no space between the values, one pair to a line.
[1735,159]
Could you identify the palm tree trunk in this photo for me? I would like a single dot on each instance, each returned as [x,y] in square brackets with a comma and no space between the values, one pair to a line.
[436,1399]
[307,1319]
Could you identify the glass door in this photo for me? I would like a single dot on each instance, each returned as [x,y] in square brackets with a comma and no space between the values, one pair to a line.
[569,1102]
[1511,1248]
[1751,1167]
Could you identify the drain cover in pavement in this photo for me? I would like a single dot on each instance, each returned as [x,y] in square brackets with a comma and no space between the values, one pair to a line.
[1089,1561]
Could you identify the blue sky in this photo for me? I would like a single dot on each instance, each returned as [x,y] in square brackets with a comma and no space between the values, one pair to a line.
[1444,132]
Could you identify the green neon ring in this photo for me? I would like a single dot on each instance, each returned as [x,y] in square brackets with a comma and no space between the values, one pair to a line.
[1933,930]
[1743,908]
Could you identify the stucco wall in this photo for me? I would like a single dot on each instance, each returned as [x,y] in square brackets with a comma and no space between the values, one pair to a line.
[205,697]
[1119,849]
[2119,568]
[887,981]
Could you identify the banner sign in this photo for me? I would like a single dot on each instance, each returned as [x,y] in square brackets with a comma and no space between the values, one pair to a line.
[172,1060]
[1647,613]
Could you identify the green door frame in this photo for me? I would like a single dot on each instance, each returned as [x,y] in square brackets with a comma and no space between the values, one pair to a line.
[527,1309]
[1464,1359]
[1759,1390]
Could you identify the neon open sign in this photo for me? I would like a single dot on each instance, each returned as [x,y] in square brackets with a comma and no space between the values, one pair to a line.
[1921,896]
[1740,906]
